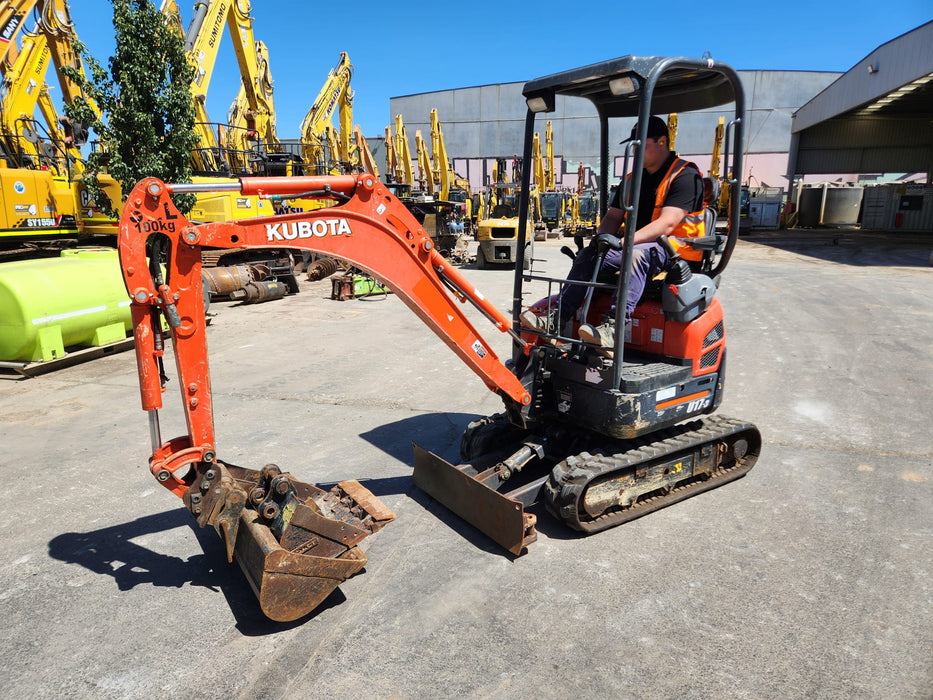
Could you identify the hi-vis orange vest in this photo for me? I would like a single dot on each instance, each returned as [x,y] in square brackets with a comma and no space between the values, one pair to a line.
[693,224]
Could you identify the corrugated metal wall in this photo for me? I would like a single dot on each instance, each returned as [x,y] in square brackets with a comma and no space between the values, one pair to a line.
[488,121]
[866,145]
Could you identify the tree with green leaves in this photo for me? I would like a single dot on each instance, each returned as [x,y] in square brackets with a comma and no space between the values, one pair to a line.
[146,122]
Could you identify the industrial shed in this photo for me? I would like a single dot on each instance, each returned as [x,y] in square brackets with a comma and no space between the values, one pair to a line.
[484,123]
[875,122]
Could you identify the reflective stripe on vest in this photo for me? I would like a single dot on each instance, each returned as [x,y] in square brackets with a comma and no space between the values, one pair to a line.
[693,224]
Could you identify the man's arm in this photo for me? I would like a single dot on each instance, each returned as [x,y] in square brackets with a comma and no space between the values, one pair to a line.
[612,221]
[664,225]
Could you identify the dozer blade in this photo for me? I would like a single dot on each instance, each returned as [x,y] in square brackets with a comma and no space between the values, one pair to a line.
[294,542]
[464,490]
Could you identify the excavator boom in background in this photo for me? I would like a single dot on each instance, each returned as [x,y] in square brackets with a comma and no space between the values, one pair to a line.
[335,97]
[43,198]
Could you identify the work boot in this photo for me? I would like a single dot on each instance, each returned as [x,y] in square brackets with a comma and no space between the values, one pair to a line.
[602,335]
[543,324]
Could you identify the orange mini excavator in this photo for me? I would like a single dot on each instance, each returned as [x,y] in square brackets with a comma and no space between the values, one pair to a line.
[600,440]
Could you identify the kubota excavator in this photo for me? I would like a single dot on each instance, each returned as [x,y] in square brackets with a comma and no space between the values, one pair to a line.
[602,440]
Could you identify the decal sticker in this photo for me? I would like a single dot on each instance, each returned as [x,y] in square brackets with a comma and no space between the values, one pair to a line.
[305,229]
[668,393]
[479,349]
[243,203]
[593,375]
[287,209]
[657,335]
[381,209]
[697,405]
[564,399]
[40,222]
[19,187]
[9,29]
[159,225]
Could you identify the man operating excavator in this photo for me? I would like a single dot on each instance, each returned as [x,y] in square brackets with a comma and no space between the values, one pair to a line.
[671,204]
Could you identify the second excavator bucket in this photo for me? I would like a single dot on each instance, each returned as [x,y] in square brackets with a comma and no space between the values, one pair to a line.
[294,542]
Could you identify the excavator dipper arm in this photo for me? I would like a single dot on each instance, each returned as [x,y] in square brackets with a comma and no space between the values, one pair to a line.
[295,542]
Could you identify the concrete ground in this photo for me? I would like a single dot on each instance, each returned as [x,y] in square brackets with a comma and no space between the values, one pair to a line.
[811,577]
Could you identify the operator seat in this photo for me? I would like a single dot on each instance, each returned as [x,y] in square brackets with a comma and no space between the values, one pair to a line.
[712,244]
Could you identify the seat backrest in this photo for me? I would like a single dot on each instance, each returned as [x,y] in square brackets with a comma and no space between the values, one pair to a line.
[710,191]
[710,217]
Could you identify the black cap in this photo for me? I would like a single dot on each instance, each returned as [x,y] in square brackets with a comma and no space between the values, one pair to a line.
[657,128]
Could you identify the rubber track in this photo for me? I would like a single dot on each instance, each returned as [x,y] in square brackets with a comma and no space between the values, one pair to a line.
[566,486]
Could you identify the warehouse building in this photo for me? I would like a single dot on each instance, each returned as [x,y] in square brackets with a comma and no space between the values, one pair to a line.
[484,123]
[806,130]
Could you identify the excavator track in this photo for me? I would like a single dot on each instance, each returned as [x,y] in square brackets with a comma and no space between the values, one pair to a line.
[592,492]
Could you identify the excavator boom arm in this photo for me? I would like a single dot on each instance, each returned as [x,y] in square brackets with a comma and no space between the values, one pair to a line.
[370,229]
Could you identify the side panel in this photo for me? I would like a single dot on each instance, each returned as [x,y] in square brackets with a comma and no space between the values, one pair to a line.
[35,205]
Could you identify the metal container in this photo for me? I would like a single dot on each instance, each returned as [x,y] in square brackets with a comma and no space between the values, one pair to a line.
[49,305]
[809,206]
[841,206]
[829,204]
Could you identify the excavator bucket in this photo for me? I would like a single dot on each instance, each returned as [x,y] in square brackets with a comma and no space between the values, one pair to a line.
[294,542]
[469,490]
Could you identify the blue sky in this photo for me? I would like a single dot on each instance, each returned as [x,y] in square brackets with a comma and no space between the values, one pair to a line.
[412,47]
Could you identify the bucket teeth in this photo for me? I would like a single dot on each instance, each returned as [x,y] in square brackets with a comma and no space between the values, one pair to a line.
[294,541]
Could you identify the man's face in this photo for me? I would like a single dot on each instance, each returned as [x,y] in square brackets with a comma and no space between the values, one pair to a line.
[656,152]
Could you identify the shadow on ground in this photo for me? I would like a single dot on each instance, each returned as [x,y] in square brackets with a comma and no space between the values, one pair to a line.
[850,246]
[440,433]
[112,552]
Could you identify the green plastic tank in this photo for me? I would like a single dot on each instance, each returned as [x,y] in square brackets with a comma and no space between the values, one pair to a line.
[48,306]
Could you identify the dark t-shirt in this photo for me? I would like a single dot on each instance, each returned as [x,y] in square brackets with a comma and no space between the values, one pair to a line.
[685,192]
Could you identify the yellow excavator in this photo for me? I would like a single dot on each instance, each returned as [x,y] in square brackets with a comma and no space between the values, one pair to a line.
[42,196]
[425,166]
[497,231]
[452,188]
[554,204]
[404,172]
[441,216]
[22,91]
[12,20]
[324,153]
[363,160]
[219,155]
[251,133]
